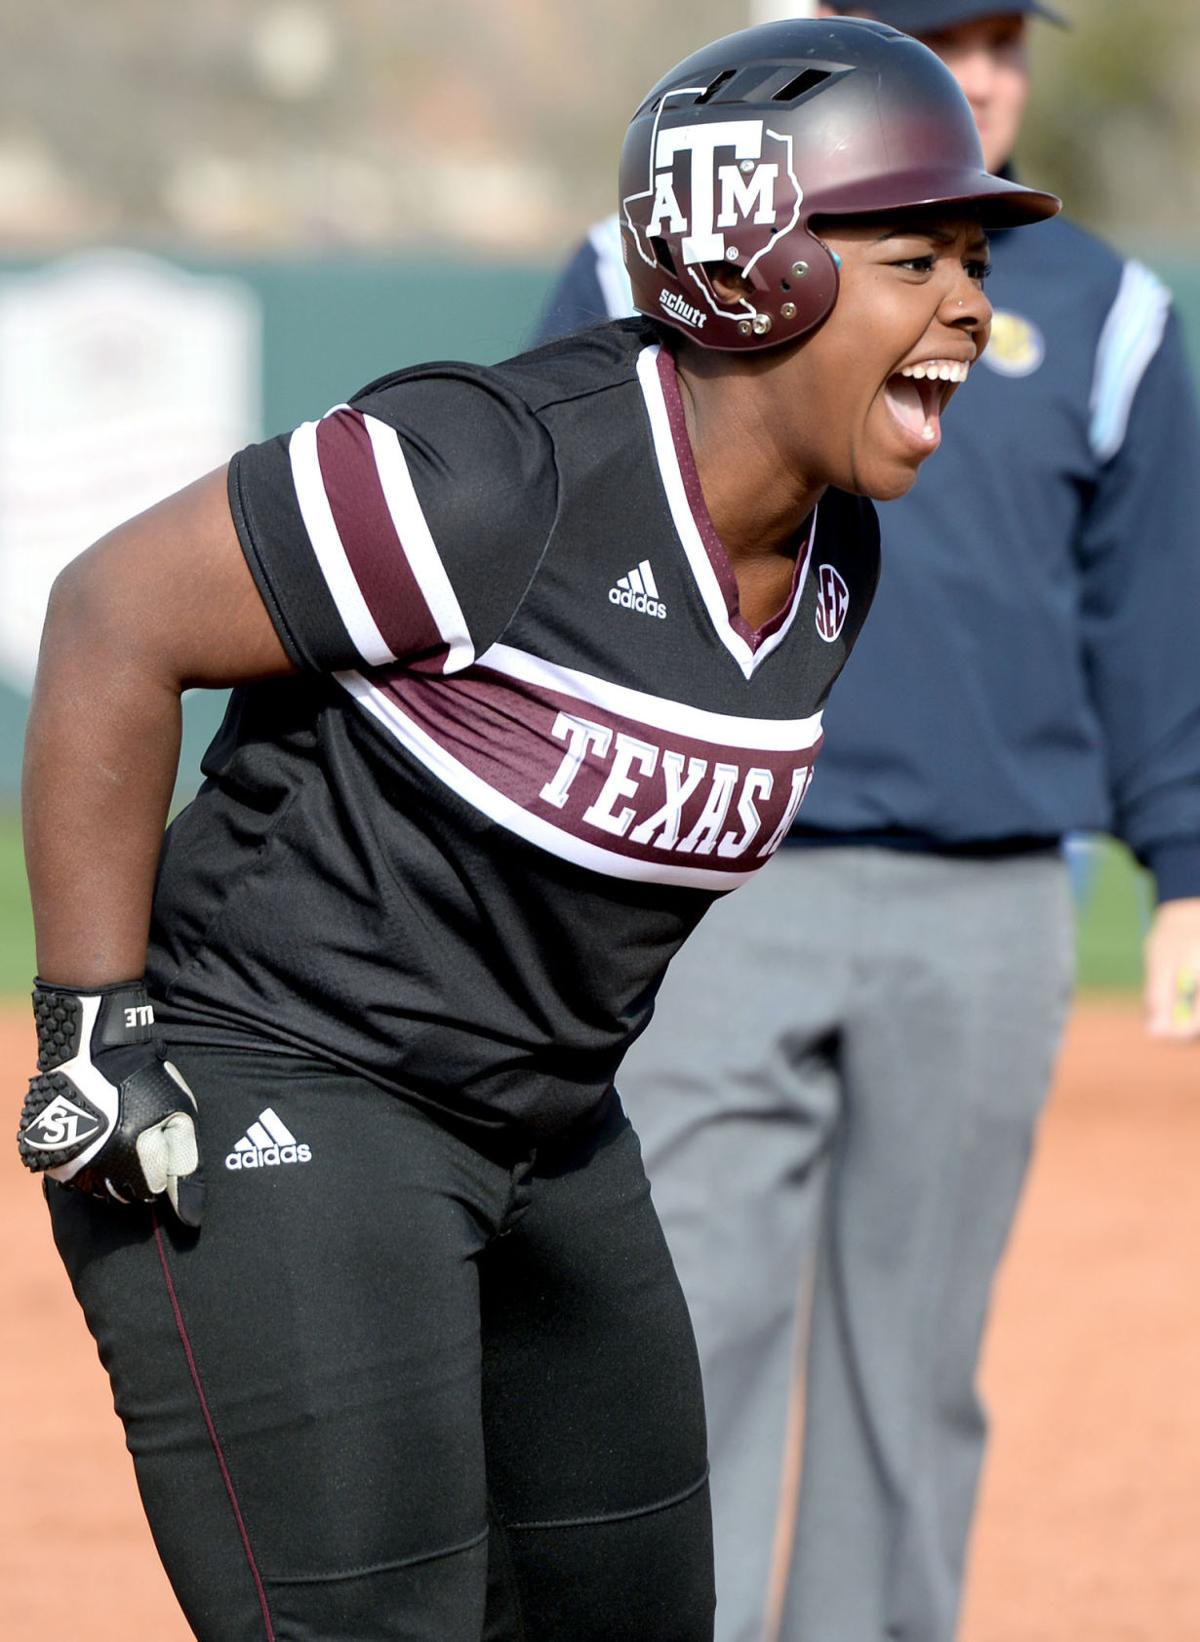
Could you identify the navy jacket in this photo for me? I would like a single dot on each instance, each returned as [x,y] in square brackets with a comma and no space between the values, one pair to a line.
[1032,662]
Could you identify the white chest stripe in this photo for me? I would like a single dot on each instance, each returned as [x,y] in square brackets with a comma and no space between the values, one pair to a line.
[532,828]
[769,734]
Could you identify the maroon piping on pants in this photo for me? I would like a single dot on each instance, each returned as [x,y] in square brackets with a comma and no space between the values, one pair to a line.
[212,1432]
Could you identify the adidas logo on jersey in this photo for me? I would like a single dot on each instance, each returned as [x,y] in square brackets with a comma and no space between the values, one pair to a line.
[267,1143]
[638,591]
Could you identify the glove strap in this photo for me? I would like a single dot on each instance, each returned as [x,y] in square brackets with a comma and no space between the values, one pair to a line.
[122,1015]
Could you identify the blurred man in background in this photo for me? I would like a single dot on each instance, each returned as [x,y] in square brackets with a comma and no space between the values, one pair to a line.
[837,1202]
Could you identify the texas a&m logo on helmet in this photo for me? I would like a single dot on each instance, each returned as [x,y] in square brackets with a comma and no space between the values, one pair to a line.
[833,601]
[722,191]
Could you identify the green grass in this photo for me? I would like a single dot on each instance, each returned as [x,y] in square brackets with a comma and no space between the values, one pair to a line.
[1110,930]
[1117,907]
[16,925]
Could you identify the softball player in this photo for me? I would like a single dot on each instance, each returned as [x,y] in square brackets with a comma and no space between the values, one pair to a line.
[530,667]
[836,1152]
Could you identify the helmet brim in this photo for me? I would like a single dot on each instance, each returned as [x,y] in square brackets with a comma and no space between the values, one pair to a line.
[998,202]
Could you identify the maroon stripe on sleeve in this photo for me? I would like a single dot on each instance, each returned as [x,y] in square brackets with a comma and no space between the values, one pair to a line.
[373,549]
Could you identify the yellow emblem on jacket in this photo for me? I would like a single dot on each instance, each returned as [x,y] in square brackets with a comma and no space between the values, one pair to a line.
[1017,347]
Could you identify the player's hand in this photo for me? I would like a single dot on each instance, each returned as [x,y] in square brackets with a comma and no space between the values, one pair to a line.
[1173,971]
[106,1113]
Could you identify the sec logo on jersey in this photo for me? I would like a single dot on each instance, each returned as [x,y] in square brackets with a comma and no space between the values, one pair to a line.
[833,601]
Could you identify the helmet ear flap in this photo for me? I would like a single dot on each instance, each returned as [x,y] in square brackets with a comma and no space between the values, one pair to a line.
[787,292]
[800,279]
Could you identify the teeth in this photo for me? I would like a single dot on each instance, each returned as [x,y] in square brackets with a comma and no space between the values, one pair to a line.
[938,370]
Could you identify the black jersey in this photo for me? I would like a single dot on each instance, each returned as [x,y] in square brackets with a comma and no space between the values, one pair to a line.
[532,740]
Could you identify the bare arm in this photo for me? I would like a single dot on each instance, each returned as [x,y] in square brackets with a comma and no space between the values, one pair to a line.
[162,604]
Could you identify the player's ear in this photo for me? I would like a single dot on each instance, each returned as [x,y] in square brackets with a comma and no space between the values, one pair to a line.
[729,285]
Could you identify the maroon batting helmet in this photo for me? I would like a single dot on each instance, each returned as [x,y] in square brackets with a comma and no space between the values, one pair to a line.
[735,152]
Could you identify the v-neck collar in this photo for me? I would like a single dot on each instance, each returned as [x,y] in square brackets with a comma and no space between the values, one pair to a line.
[710,564]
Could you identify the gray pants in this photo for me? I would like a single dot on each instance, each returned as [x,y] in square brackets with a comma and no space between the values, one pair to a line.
[837,1099]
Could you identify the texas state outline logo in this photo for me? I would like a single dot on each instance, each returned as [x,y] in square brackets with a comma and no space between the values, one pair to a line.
[726,186]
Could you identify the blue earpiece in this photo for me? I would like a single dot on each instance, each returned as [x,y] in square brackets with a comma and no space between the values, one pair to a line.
[837,261]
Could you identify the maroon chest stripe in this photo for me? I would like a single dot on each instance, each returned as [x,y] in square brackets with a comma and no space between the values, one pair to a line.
[369,538]
[520,738]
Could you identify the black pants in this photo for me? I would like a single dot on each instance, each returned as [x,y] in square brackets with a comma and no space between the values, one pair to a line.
[404,1383]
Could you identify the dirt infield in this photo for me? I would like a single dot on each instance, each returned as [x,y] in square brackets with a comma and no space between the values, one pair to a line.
[1089,1500]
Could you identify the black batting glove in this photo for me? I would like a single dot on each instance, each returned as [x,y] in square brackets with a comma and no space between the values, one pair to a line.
[107,1114]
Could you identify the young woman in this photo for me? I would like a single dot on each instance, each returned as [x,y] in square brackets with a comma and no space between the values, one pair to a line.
[531,663]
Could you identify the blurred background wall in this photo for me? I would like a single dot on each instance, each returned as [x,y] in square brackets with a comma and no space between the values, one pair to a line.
[216,221]
[318,126]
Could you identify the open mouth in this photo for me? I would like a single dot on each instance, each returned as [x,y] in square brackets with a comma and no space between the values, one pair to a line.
[917,395]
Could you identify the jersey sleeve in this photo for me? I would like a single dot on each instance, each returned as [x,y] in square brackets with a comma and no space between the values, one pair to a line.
[1140,554]
[402,527]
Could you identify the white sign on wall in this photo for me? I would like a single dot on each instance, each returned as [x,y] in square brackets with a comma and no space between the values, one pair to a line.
[121,379]
[778,11]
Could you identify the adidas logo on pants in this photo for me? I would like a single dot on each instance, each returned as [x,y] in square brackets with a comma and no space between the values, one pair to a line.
[267,1142]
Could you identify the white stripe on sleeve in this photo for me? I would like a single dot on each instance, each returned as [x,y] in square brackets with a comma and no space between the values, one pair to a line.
[1130,339]
[605,240]
[423,558]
